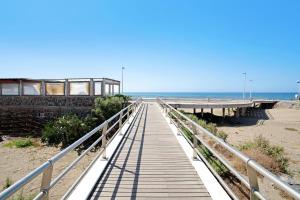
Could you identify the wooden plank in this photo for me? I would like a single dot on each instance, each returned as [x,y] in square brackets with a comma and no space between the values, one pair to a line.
[150,164]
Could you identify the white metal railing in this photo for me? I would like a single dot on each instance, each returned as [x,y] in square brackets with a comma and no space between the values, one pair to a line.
[46,168]
[253,168]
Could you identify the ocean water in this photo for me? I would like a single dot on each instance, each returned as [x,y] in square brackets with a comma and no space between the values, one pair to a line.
[216,95]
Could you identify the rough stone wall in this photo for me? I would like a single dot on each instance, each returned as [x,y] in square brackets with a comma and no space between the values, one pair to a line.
[72,101]
[26,115]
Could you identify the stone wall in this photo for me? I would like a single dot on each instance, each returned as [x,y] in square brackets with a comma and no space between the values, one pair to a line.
[26,115]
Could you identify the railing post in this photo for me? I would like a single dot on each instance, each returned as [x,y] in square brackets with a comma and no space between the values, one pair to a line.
[252,175]
[195,143]
[128,110]
[104,140]
[46,181]
[121,122]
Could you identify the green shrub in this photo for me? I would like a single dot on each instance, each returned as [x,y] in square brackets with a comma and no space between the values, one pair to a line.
[222,135]
[66,130]
[20,143]
[108,106]
[69,128]
[209,126]
[275,152]
[216,164]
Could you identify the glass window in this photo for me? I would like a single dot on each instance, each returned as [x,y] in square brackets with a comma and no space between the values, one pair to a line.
[116,89]
[98,88]
[79,88]
[107,92]
[10,89]
[55,88]
[32,88]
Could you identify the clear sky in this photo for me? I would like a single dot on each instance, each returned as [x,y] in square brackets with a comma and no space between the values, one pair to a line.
[165,45]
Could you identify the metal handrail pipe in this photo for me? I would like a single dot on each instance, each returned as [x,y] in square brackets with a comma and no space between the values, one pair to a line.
[220,180]
[259,195]
[76,144]
[83,174]
[259,169]
[227,146]
[19,184]
[112,126]
[124,115]
[39,195]
[84,138]
[25,180]
[67,169]
[234,171]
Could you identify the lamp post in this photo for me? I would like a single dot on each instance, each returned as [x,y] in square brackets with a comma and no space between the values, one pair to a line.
[298,89]
[123,80]
[244,93]
[250,88]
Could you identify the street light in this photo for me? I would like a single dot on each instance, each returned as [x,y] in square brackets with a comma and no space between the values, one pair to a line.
[250,88]
[245,74]
[122,80]
[298,89]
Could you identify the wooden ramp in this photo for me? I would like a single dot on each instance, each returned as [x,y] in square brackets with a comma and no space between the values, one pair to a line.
[150,164]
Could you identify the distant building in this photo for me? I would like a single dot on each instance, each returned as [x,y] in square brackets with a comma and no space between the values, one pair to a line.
[27,104]
[59,87]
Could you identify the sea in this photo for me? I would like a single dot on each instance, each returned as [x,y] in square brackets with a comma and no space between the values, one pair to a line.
[216,95]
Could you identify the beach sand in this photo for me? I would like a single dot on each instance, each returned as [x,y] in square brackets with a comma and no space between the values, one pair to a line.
[18,162]
[282,128]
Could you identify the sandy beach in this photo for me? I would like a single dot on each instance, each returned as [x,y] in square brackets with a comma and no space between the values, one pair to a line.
[282,128]
[280,125]
[18,162]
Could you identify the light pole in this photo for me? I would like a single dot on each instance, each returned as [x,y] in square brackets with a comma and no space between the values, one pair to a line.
[123,80]
[250,88]
[298,89]
[245,75]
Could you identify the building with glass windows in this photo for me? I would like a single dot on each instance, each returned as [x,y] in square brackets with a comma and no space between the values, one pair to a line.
[59,87]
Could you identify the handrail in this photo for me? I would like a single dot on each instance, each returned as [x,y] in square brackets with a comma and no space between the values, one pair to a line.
[47,167]
[253,168]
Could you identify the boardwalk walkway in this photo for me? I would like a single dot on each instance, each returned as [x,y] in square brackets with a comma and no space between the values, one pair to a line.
[150,164]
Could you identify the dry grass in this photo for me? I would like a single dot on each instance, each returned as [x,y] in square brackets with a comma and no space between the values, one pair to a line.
[272,157]
[268,162]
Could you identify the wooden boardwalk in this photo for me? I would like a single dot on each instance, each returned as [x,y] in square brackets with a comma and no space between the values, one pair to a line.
[150,164]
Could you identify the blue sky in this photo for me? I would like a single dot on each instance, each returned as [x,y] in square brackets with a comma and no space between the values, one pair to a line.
[165,45]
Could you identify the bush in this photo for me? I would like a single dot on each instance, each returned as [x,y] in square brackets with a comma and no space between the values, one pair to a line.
[273,151]
[209,126]
[216,164]
[69,128]
[108,106]
[222,135]
[66,130]
[20,143]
